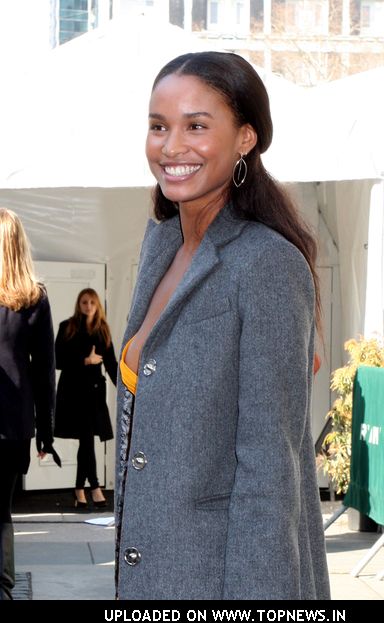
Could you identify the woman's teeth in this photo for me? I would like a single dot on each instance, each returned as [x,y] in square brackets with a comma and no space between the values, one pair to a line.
[181,170]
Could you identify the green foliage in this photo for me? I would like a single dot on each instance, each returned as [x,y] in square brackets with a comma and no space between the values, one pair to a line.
[336,456]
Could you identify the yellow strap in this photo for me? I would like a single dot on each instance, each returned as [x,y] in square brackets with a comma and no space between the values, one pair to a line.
[128,376]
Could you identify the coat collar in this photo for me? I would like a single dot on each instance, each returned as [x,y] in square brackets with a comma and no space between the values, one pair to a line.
[159,248]
[225,227]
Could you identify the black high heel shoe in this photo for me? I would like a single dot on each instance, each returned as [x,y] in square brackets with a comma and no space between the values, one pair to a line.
[98,503]
[78,504]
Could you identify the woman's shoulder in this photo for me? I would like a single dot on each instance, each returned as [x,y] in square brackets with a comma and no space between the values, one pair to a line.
[260,239]
[40,298]
[270,266]
[260,247]
[64,324]
[41,303]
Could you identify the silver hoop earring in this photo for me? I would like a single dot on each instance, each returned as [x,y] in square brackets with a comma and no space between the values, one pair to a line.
[240,171]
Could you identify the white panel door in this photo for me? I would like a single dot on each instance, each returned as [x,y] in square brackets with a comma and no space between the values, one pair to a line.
[63,281]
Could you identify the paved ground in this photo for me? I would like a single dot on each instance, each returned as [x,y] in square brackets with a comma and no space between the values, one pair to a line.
[23,588]
[345,548]
[68,558]
[72,560]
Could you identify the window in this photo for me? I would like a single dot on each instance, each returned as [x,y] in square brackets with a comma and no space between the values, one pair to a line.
[306,16]
[213,9]
[239,13]
[365,16]
[372,18]
[76,17]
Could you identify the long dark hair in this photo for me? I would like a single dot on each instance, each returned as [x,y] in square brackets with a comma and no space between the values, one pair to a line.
[99,323]
[260,198]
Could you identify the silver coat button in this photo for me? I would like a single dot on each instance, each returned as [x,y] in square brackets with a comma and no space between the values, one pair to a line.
[132,556]
[139,460]
[149,367]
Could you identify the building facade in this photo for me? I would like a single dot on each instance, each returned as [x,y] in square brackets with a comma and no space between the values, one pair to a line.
[307,41]
[71,18]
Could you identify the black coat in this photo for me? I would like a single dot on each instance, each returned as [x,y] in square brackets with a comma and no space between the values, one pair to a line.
[81,405]
[27,373]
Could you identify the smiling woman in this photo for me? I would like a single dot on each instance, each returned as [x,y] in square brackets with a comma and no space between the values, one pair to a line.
[216,491]
[193,142]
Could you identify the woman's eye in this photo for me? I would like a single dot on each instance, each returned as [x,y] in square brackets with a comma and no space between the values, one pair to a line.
[197,126]
[157,127]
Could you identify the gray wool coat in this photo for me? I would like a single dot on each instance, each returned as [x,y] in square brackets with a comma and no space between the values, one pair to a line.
[221,499]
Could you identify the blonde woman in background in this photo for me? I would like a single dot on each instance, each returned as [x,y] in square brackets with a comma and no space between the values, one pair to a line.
[27,376]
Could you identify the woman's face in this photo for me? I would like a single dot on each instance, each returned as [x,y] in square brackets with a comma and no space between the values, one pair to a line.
[88,306]
[193,141]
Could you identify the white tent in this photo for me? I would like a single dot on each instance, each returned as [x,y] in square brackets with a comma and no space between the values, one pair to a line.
[72,165]
[80,117]
[331,132]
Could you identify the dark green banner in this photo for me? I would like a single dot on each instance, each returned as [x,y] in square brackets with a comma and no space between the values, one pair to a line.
[366,488]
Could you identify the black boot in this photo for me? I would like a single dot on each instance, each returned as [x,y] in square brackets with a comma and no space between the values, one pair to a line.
[7,561]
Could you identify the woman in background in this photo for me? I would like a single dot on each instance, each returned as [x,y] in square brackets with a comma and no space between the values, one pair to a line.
[82,345]
[27,376]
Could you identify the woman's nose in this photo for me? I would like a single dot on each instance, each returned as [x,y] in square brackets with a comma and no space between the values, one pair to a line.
[174,144]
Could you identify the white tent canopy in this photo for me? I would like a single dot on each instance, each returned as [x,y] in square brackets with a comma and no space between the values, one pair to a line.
[79,118]
[336,131]
[348,126]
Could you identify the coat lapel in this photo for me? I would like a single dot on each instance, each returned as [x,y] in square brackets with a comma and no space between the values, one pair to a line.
[159,250]
[204,261]
[160,245]
[224,228]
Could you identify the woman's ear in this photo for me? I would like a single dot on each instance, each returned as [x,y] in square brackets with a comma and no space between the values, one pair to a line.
[248,138]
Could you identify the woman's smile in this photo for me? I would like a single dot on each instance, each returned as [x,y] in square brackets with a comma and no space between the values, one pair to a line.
[193,141]
[181,170]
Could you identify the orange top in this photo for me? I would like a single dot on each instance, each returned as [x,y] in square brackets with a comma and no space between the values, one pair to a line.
[128,376]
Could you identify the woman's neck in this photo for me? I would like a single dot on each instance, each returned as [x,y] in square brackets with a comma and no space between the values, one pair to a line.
[195,222]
